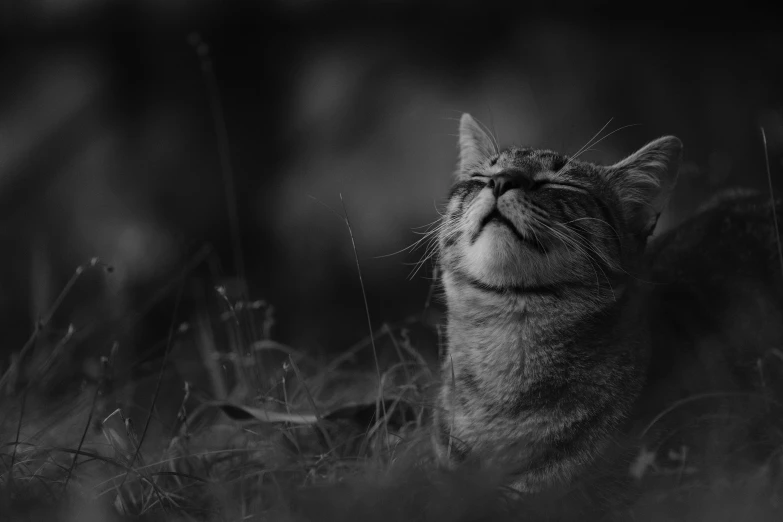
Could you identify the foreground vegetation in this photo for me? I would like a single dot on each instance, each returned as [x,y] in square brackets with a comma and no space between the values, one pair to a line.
[261,431]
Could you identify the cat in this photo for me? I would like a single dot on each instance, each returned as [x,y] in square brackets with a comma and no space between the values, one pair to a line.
[567,334]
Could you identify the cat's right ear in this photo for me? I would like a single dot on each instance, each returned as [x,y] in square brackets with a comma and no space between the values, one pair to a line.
[475,145]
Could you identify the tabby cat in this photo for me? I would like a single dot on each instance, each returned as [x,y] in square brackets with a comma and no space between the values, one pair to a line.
[567,334]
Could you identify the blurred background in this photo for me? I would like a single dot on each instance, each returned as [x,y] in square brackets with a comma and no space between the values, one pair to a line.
[142,132]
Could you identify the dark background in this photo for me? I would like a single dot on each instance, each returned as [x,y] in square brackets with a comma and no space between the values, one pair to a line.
[109,147]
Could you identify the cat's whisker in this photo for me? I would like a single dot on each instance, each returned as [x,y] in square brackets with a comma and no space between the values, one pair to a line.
[576,156]
[406,249]
[589,142]
[436,222]
[539,243]
[433,231]
[422,262]
[608,262]
[574,235]
[568,241]
[447,229]
[588,249]
[602,139]
[588,246]
[602,221]
[429,235]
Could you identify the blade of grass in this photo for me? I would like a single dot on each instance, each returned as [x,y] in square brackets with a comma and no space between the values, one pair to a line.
[235,341]
[702,396]
[226,167]
[18,431]
[367,312]
[44,321]
[88,423]
[203,253]
[399,352]
[772,200]
[319,419]
[157,390]
[353,350]
[56,351]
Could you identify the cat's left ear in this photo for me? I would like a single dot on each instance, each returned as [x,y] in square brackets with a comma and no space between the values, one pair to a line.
[644,181]
[475,145]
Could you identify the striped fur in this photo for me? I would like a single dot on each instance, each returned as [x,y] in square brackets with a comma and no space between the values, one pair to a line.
[546,349]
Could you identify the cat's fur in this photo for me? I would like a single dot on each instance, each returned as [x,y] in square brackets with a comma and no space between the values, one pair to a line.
[564,338]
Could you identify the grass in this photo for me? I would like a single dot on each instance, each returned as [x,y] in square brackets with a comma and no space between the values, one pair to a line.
[296,439]
[264,440]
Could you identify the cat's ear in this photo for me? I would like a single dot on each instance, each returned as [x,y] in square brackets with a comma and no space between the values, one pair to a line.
[475,145]
[644,180]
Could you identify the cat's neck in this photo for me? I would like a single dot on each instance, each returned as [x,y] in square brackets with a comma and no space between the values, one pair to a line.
[531,334]
[472,305]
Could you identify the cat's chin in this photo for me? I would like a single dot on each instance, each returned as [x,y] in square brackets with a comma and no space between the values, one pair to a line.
[497,257]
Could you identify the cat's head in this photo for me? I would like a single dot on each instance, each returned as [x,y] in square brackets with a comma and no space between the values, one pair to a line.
[527,218]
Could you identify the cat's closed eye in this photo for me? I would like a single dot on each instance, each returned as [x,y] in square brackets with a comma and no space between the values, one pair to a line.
[559,185]
[532,186]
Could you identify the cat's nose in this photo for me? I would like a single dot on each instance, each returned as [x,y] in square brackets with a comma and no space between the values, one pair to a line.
[509,179]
